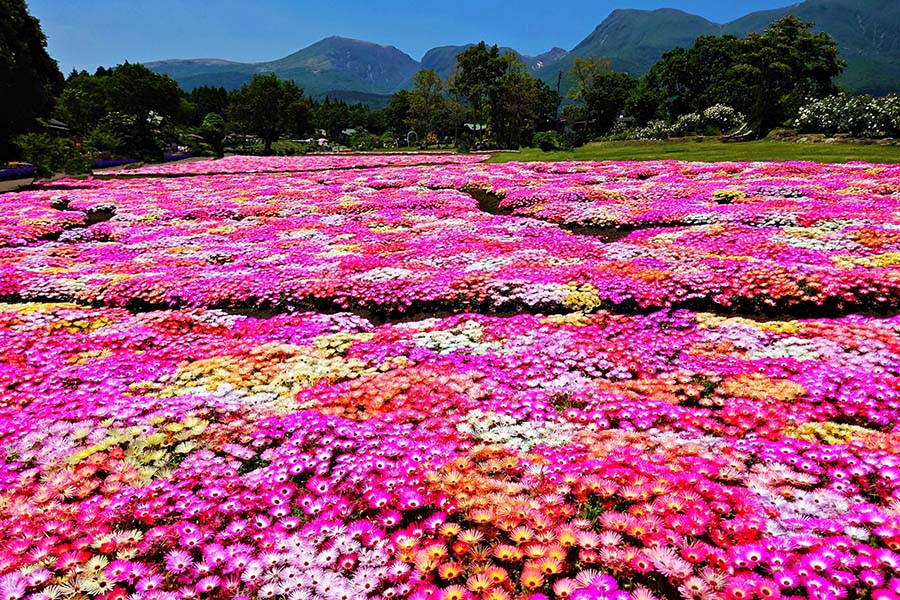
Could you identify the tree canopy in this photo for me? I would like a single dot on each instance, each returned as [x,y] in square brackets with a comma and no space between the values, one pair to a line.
[766,76]
[269,107]
[29,78]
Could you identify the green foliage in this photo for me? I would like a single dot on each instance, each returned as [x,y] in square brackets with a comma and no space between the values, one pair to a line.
[786,65]
[388,139]
[29,78]
[503,95]
[124,111]
[51,155]
[592,509]
[363,140]
[396,115]
[464,143]
[606,99]
[515,105]
[213,131]
[127,136]
[547,141]
[571,139]
[691,79]
[766,76]
[426,104]
[269,107]
[478,72]
[209,100]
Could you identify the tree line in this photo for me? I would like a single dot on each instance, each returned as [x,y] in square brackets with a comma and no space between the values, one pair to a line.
[490,99]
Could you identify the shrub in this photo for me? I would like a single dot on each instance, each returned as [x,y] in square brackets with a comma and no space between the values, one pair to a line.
[571,139]
[861,116]
[688,124]
[546,141]
[722,117]
[51,155]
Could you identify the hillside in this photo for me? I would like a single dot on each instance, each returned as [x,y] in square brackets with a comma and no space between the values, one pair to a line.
[332,65]
[867,32]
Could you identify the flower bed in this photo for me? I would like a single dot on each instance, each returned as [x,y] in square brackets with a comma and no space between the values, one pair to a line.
[268,164]
[675,453]
[452,382]
[16,171]
[403,240]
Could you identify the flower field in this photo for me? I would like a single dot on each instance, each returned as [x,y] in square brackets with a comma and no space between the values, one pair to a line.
[429,377]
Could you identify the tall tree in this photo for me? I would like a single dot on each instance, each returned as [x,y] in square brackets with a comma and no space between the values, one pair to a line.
[478,71]
[426,103]
[29,78]
[785,66]
[586,70]
[693,79]
[766,76]
[135,90]
[209,99]
[396,113]
[515,103]
[603,91]
[269,107]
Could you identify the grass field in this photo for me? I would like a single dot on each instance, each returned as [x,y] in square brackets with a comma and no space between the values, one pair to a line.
[712,151]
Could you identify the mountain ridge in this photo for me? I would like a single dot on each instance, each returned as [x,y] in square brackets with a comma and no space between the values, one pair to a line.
[867,33]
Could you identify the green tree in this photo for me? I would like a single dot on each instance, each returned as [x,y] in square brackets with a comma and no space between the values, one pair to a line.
[135,90]
[766,76]
[548,102]
[478,71]
[783,67]
[208,99]
[603,92]
[693,79]
[396,113]
[426,104]
[213,131]
[516,104]
[84,101]
[269,107]
[645,102]
[29,78]
[333,117]
[585,70]
[123,110]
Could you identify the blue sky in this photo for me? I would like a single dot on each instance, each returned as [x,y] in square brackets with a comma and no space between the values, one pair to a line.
[84,34]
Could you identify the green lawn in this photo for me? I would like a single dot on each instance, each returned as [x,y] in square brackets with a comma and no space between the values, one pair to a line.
[712,151]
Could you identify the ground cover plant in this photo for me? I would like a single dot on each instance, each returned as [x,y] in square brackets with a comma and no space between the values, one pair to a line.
[333,378]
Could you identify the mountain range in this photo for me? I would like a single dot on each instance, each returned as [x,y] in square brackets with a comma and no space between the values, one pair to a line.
[866,31]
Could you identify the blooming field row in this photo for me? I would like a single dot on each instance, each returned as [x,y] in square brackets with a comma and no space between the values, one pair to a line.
[313,162]
[406,240]
[199,454]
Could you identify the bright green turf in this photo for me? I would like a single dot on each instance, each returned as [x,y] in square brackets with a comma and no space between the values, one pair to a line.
[712,151]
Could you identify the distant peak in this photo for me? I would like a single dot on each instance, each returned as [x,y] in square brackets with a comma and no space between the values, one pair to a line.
[354,41]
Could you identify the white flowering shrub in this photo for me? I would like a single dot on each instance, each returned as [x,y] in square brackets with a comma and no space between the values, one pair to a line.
[719,116]
[723,117]
[861,116]
[889,109]
[688,124]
